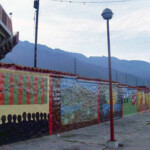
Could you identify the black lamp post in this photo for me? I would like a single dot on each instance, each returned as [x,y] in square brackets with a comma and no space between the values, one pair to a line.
[107,15]
[36,6]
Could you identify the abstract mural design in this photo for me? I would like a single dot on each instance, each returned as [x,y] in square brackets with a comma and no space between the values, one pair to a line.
[146,101]
[18,89]
[78,101]
[140,101]
[35,104]
[24,106]
[105,102]
[129,101]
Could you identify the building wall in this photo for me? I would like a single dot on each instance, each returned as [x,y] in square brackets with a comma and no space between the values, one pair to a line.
[76,101]
[140,101]
[4,18]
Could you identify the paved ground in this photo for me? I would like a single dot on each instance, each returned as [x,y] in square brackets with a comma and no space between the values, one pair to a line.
[132,133]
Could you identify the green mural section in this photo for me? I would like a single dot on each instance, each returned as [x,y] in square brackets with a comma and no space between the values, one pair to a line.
[16,89]
[129,101]
[33,90]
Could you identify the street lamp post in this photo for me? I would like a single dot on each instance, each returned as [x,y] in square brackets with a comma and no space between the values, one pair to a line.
[36,6]
[107,15]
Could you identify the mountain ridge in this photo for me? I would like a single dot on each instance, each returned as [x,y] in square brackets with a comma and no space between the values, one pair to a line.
[47,58]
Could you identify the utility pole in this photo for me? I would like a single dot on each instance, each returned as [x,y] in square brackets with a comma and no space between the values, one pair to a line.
[36,6]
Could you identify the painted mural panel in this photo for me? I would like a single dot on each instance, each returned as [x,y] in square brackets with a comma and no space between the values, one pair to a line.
[56,105]
[129,101]
[78,101]
[24,105]
[105,102]
[146,101]
[141,101]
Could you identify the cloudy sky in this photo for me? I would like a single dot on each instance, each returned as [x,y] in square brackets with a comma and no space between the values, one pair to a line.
[76,27]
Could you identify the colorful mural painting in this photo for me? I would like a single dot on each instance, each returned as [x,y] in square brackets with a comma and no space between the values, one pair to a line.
[56,104]
[146,101]
[105,102]
[24,105]
[129,101]
[140,101]
[35,102]
[78,101]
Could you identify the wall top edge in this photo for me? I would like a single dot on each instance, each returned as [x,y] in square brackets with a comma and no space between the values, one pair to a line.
[54,73]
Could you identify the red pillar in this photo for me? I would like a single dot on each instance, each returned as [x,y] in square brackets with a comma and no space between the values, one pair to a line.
[110,87]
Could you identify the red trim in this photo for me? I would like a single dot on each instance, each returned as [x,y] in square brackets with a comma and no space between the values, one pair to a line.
[50,105]
[36,90]
[98,99]
[11,89]
[31,69]
[28,89]
[20,89]
[42,90]
[2,87]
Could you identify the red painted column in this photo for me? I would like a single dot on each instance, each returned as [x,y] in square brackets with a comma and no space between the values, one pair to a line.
[20,89]
[110,88]
[11,89]
[50,105]
[2,88]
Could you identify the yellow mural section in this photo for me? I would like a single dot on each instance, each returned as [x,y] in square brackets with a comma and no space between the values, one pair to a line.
[140,101]
[108,99]
[147,101]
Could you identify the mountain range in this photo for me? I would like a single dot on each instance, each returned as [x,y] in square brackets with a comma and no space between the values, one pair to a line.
[133,72]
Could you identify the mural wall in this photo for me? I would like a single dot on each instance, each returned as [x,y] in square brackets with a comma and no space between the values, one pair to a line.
[140,101]
[105,102]
[33,104]
[78,101]
[129,101]
[147,101]
[56,104]
[24,105]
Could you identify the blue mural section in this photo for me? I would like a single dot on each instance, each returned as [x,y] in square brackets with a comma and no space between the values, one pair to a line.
[129,101]
[78,101]
[106,108]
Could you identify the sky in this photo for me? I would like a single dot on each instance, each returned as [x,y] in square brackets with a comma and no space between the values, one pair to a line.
[80,28]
